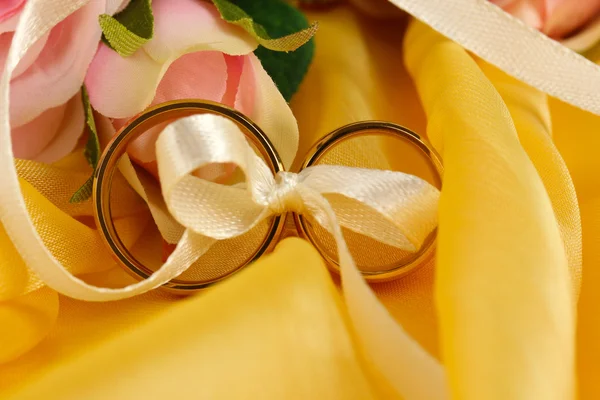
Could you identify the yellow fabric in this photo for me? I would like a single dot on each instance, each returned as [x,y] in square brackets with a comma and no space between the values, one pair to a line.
[576,136]
[503,278]
[531,115]
[275,327]
[47,190]
[506,278]
[30,318]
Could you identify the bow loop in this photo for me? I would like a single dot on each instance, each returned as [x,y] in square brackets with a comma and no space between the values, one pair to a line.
[218,211]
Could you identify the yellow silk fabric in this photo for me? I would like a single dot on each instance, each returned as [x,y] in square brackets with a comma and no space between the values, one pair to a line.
[504,293]
[507,274]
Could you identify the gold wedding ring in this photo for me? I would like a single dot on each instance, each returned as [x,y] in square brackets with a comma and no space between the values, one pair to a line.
[117,147]
[182,108]
[363,128]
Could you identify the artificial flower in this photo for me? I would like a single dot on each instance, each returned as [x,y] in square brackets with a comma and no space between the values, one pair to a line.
[194,53]
[556,18]
[52,73]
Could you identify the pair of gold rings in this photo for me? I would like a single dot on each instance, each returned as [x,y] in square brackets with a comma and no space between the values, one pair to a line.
[182,108]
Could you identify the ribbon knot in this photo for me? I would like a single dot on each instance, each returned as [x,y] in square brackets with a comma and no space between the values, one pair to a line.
[391,207]
[285,195]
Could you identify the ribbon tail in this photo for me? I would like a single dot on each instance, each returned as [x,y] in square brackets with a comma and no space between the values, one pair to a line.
[409,369]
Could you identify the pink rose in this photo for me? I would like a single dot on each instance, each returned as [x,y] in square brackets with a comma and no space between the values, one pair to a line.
[193,54]
[47,116]
[556,18]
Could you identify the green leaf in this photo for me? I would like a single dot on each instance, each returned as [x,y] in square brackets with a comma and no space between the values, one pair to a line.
[292,40]
[130,29]
[92,149]
[279,19]
[84,192]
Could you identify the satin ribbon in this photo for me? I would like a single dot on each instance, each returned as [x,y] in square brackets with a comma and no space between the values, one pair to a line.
[517,49]
[392,207]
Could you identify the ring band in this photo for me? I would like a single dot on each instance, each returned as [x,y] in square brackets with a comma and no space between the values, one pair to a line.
[118,146]
[376,128]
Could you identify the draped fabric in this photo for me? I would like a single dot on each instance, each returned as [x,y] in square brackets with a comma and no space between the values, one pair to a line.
[507,307]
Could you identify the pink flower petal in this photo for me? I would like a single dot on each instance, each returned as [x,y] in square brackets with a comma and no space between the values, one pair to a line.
[186,26]
[58,72]
[246,93]
[235,65]
[503,3]
[120,87]
[181,27]
[68,134]
[143,149]
[52,135]
[9,8]
[29,58]
[566,16]
[200,75]
[30,139]
[5,41]
[528,11]
[10,24]
[241,84]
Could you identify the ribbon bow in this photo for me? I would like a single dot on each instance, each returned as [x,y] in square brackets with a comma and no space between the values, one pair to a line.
[394,208]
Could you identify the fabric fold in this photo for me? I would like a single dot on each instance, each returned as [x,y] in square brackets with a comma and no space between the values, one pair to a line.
[503,288]
[530,113]
[208,340]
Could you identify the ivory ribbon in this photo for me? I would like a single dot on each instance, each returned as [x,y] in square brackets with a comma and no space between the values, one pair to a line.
[224,212]
[519,50]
